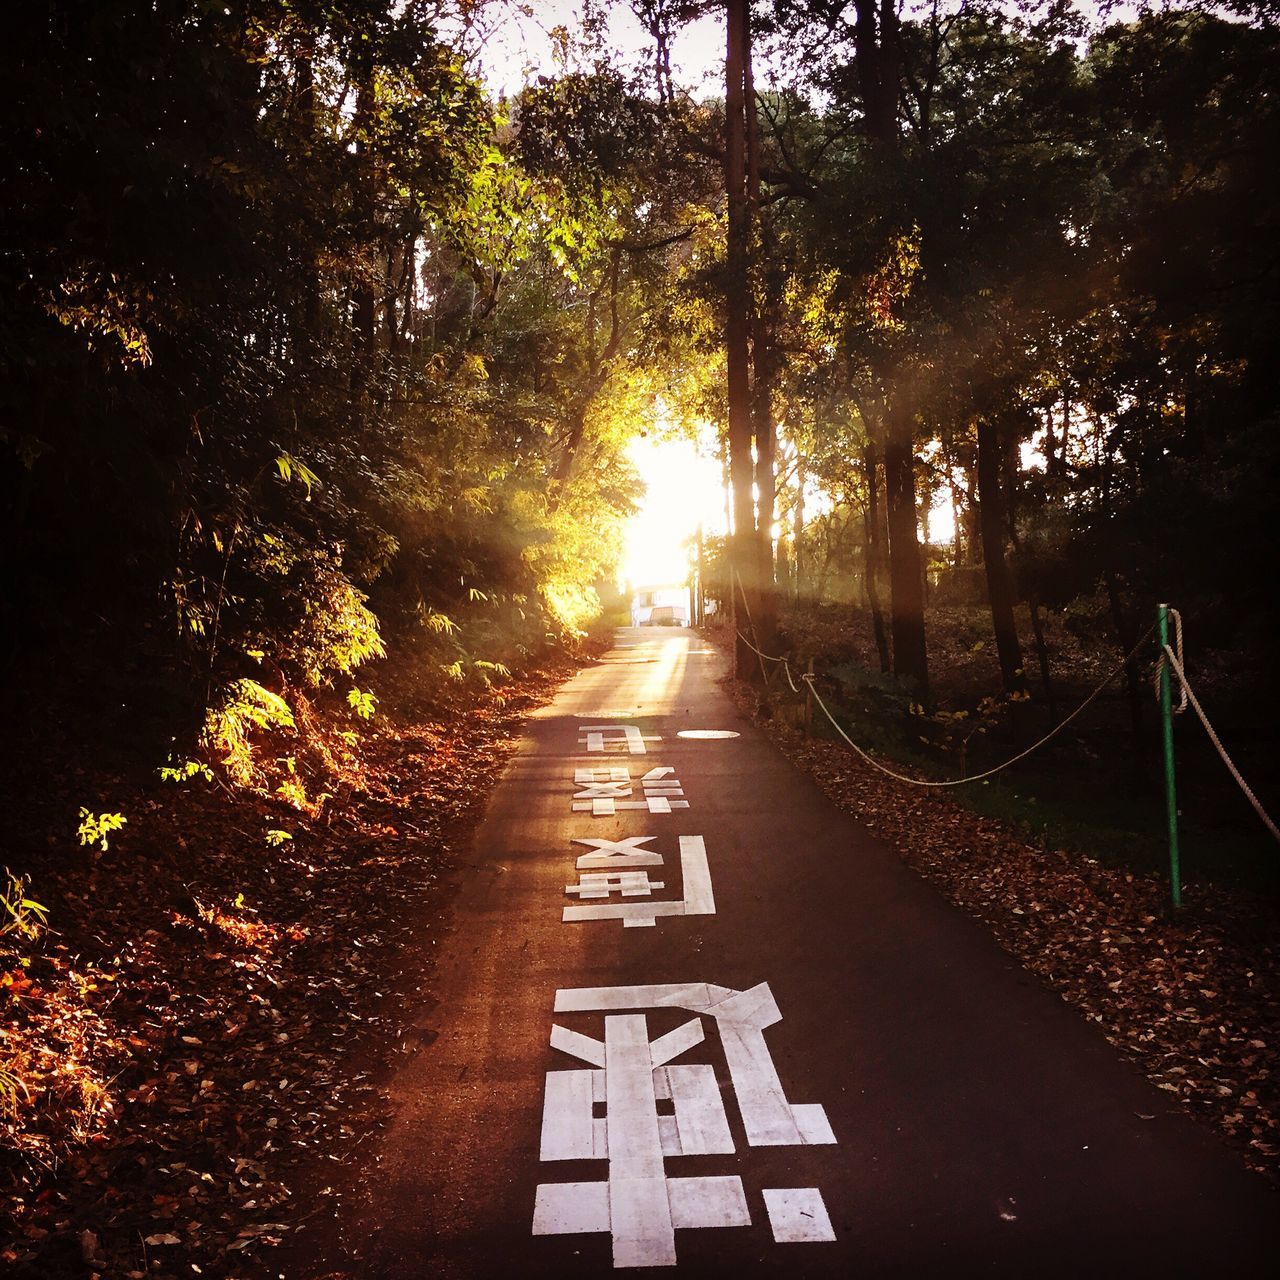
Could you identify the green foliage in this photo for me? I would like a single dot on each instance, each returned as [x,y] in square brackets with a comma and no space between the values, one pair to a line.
[304,336]
[244,705]
[290,468]
[297,339]
[95,828]
[21,915]
[362,703]
[292,792]
[274,837]
[185,770]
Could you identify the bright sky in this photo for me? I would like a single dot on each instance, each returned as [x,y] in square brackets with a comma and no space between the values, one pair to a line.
[682,490]
[516,50]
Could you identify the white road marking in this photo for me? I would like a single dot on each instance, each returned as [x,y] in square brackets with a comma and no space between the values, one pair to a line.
[600,884]
[707,734]
[639,1205]
[697,997]
[813,1124]
[639,1208]
[566,1117]
[701,1122]
[797,1215]
[571,1208]
[742,1017]
[578,1045]
[605,792]
[600,790]
[698,900]
[688,1035]
[618,853]
[620,737]
[708,1202]
[607,808]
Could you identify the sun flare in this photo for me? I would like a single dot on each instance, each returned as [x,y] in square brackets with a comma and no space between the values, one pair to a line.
[682,491]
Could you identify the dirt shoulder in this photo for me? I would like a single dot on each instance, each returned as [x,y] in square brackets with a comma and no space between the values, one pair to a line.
[195,1043]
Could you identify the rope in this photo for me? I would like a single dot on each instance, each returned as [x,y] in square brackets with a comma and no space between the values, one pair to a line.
[1188,694]
[768,657]
[1158,674]
[977,777]
[1171,654]
[742,591]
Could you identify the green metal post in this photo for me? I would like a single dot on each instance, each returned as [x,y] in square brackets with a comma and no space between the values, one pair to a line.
[1170,788]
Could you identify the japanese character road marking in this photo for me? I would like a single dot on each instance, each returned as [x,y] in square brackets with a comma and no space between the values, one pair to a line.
[615,737]
[639,1205]
[698,898]
[603,793]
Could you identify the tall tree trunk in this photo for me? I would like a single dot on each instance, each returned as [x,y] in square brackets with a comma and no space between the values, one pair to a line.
[999,585]
[764,367]
[953,491]
[906,576]
[364,295]
[797,536]
[1128,637]
[743,555]
[310,308]
[1042,657]
[871,516]
[1042,648]
[878,77]
[699,594]
[392,291]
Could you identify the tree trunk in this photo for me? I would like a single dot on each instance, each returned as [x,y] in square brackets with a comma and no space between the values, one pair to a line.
[306,82]
[1128,638]
[878,77]
[364,295]
[1042,657]
[699,595]
[743,557]
[797,536]
[906,578]
[999,586]
[764,357]
[871,514]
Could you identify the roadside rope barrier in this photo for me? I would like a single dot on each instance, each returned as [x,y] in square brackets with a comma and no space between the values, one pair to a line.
[768,657]
[742,591]
[808,679]
[1159,669]
[1188,694]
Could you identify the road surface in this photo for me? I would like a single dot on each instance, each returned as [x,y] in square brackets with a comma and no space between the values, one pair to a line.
[686,1013]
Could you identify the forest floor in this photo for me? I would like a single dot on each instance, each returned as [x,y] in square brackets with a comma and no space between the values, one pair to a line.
[196,1046]
[193,1048]
[1193,1000]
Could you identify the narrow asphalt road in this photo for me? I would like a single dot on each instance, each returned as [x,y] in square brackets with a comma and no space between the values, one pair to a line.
[687,1013]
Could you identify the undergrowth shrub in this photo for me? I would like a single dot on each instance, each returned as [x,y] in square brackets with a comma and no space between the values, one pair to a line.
[245,705]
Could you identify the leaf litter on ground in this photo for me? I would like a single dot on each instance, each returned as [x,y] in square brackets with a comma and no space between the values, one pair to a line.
[201,1035]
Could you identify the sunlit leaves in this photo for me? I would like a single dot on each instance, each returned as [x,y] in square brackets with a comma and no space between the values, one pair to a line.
[289,468]
[96,828]
[362,703]
[19,913]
